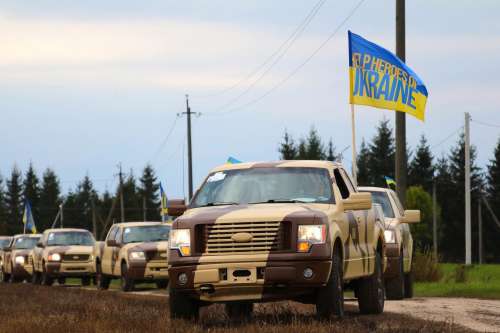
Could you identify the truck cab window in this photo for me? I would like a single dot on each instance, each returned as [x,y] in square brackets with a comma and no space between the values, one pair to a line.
[112,233]
[344,190]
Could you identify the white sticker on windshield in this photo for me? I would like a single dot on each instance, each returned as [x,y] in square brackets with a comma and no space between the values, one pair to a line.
[127,230]
[218,176]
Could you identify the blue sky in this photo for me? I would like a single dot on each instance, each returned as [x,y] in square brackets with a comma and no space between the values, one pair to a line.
[88,84]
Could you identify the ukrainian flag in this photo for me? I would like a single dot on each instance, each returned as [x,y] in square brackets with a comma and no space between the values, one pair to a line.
[164,209]
[389,181]
[232,160]
[28,221]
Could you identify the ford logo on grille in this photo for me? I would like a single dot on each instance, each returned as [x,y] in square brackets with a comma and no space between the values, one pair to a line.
[242,237]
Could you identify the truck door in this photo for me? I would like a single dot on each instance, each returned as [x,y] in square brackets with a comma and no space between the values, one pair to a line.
[107,252]
[115,264]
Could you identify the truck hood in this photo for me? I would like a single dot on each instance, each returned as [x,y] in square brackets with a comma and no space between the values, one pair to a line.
[70,249]
[391,223]
[146,246]
[252,213]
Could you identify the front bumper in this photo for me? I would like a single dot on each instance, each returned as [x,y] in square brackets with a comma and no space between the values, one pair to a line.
[73,269]
[142,270]
[255,277]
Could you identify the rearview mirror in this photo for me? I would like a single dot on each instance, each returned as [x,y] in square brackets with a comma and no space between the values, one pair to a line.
[358,201]
[411,216]
[111,242]
[176,207]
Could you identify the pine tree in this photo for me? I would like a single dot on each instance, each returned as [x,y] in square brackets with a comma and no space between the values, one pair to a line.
[491,246]
[3,209]
[302,150]
[131,199]
[287,148]
[31,191]
[14,202]
[363,171]
[49,199]
[148,192]
[421,168]
[85,194]
[381,154]
[331,156]
[315,148]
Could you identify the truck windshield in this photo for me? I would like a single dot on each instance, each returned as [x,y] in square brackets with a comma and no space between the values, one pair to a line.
[382,199]
[70,238]
[150,233]
[25,243]
[4,243]
[265,185]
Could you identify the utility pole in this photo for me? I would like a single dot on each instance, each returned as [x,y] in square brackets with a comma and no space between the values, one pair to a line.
[188,114]
[122,208]
[480,230]
[400,116]
[434,221]
[61,209]
[94,218]
[468,259]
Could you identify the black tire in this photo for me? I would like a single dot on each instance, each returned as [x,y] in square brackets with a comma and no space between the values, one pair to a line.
[409,285]
[61,281]
[86,281]
[102,280]
[127,284]
[330,298]
[12,277]
[371,293]
[35,277]
[395,286]
[162,284]
[5,277]
[239,312]
[46,279]
[182,307]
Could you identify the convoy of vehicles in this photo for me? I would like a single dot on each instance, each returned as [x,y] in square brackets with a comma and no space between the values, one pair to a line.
[253,232]
[134,252]
[399,242]
[62,253]
[15,261]
[258,232]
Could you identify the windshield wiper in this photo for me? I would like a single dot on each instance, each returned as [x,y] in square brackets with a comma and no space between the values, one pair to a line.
[278,201]
[219,203]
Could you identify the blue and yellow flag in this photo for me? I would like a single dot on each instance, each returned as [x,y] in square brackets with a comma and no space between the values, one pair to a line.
[389,181]
[28,221]
[379,78]
[232,160]
[164,209]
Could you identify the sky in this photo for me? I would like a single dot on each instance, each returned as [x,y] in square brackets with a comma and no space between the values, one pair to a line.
[87,85]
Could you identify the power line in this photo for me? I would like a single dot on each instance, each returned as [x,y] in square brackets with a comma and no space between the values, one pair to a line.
[299,67]
[446,139]
[300,28]
[485,124]
[164,142]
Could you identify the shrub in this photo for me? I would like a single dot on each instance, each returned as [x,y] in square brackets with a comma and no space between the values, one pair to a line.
[461,274]
[426,267]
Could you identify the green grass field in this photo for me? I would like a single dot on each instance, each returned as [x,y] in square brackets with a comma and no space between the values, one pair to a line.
[483,281]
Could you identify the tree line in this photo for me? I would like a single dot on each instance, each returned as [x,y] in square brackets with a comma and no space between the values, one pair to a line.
[83,207]
[376,159]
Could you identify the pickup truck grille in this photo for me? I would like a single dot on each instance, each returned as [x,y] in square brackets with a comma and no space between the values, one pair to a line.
[75,257]
[266,237]
[156,255]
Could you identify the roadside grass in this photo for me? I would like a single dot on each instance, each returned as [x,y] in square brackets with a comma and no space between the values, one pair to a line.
[481,281]
[28,308]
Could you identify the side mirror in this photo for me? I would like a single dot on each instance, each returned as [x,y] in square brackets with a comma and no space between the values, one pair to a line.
[358,201]
[411,216]
[111,242]
[39,244]
[176,207]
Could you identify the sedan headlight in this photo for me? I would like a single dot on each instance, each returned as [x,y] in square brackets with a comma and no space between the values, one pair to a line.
[180,239]
[54,257]
[307,235]
[19,260]
[137,255]
[390,236]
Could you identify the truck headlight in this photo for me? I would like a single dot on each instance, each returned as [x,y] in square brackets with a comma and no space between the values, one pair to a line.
[19,260]
[180,239]
[137,255]
[54,257]
[307,235]
[390,236]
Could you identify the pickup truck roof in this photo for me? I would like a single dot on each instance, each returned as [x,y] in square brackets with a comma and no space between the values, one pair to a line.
[65,230]
[137,224]
[284,163]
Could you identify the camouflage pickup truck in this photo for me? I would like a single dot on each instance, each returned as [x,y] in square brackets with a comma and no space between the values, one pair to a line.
[257,232]
[15,260]
[133,252]
[62,253]
[399,242]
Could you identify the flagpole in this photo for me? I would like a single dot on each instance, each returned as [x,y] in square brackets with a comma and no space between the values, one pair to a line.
[354,157]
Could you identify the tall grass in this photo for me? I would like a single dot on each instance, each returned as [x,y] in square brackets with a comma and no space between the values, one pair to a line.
[426,267]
